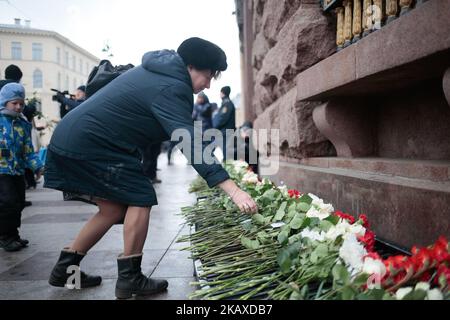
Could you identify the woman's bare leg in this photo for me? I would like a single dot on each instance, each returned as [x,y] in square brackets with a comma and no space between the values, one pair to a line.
[109,214]
[135,230]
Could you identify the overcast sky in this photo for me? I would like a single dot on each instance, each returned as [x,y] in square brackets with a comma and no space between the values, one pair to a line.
[133,27]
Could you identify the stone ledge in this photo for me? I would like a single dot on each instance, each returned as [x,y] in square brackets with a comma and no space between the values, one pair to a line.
[402,211]
[413,48]
[362,169]
[433,170]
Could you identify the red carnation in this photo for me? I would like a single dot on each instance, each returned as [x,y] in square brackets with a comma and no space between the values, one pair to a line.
[365,220]
[345,216]
[443,271]
[369,240]
[294,193]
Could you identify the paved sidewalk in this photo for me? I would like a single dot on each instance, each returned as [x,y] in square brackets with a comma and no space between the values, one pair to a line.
[51,223]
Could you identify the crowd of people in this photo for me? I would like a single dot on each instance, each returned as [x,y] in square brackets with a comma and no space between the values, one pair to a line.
[111,159]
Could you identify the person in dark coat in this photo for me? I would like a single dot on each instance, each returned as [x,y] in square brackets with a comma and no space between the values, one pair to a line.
[67,105]
[12,74]
[224,120]
[245,149]
[150,161]
[94,151]
[203,111]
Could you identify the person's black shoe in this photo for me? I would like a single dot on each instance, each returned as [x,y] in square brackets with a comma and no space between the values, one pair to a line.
[28,203]
[10,244]
[131,281]
[59,275]
[23,242]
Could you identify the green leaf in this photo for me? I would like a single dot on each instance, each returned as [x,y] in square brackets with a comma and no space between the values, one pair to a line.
[416,295]
[348,293]
[325,225]
[250,244]
[361,280]
[375,294]
[258,218]
[263,237]
[281,212]
[270,194]
[303,207]
[292,208]
[283,237]
[294,238]
[333,219]
[297,222]
[284,260]
[306,199]
[340,274]
[296,296]
[319,252]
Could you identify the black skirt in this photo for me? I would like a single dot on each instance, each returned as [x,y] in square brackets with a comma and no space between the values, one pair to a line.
[118,180]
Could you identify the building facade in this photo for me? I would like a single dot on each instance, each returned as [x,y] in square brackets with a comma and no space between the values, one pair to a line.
[360,92]
[47,60]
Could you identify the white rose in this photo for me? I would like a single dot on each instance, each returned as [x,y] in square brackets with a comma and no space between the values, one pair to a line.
[317,213]
[373,266]
[250,177]
[313,235]
[402,292]
[352,252]
[425,286]
[435,294]
[240,165]
[284,191]
[356,229]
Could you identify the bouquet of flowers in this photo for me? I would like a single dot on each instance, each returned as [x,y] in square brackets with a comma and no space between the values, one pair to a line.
[299,247]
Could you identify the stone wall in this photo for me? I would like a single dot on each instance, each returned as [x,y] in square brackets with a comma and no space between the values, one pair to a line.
[367,128]
[289,37]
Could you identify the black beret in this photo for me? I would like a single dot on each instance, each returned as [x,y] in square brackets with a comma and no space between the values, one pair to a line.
[13,72]
[226,91]
[82,88]
[202,54]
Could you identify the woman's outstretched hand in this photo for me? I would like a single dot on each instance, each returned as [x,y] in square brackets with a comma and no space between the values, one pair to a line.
[244,202]
[241,198]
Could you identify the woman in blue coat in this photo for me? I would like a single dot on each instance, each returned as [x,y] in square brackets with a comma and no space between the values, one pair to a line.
[94,152]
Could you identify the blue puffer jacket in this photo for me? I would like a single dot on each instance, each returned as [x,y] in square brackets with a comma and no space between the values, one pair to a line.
[16,149]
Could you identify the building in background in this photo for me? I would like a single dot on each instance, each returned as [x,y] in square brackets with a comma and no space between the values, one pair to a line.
[47,60]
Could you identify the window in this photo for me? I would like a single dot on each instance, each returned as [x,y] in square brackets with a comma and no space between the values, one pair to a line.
[37,51]
[67,83]
[73,62]
[58,55]
[0,49]
[66,59]
[74,84]
[16,50]
[59,81]
[81,66]
[87,68]
[37,79]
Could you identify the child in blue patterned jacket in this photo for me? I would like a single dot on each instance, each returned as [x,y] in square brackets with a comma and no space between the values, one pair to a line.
[16,154]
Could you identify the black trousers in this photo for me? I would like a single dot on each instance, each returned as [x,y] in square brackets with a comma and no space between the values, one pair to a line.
[12,200]
[29,179]
[150,160]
